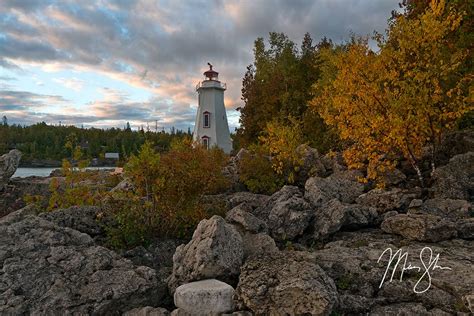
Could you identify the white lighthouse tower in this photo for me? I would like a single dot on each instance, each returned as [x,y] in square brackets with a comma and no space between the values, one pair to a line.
[211,127]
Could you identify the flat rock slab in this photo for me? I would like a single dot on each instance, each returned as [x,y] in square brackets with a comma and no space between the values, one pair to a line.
[204,297]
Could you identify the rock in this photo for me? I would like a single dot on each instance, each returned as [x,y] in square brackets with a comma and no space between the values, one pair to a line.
[455,143]
[231,170]
[456,179]
[351,260]
[445,208]
[334,162]
[469,299]
[420,227]
[312,164]
[403,309]
[255,244]
[215,251]
[393,177]
[342,186]
[47,269]
[285,283]
[334,215]
[386,201]
[206,297]
[465,228]
[252,200]
[287,214]
[80,218]
[147,311]
[8,165]
[245,220]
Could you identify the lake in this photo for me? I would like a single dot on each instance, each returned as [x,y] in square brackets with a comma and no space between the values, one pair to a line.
[43,172]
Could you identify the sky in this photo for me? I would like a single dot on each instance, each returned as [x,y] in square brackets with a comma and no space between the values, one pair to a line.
[107,62]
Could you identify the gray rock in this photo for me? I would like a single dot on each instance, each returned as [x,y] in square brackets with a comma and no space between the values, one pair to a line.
[421,227]
[287,214]
[257,244]
[334,215]
[311,166]
[49,269]
[285,283]
[401,309]
[8,165]
[456,179]
[465,228]
[445,208]
[215,251]
[245,220]
[252,200]
[147,311]
[124,185]
[386,201]
[342,186]
[80,218]
[205,297]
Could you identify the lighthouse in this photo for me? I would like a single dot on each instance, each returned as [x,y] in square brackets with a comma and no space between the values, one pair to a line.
[211,127]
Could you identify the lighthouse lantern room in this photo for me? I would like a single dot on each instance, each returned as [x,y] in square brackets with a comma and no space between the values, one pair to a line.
[211,127]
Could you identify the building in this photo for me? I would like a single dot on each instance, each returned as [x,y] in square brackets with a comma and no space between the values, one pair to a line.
[112,156]
[211,127]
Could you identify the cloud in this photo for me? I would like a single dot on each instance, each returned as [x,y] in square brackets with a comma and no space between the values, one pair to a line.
[163,46]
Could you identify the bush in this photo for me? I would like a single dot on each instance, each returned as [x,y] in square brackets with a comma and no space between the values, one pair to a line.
[165,201]
[257,174]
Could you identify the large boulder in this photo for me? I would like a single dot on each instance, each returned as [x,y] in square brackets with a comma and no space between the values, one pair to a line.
[245,220]
[421,227]
[147,311]
[354,261]
[286,213]
[285,283]
[205,297]
[335,215]
[456,179]
[215,251]
[47,269]
[8,165]
[80,218]
[341,185]
[386,201]
[445,208]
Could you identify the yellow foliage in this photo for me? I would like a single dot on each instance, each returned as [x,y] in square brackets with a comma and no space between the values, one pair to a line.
[281,141]
[400,99]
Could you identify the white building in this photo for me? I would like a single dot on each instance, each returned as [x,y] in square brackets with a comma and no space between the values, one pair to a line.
[211,127]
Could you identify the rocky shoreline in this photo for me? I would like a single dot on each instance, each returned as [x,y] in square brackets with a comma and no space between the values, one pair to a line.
[320,248]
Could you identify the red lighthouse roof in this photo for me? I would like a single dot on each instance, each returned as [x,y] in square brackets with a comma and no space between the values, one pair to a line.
[211,74]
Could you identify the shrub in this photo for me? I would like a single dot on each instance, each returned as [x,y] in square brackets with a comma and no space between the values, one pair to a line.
[167,191]
[257,174]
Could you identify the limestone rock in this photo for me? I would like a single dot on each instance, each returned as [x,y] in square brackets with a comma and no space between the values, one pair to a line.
[285,283]
[81,218]
[246,220]
[445,208]
[49,269]
[250,199]
[420,227]
[215,251]
[147,311]
[8,165]
[287,213]
[456,179]
[257,244]
[312,164]
[205,297]
[342,186]
[334,215]
[386,201]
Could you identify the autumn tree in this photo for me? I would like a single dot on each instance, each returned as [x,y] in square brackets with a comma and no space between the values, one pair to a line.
[402,98]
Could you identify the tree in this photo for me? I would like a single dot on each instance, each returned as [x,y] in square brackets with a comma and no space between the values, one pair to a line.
[401,99]
[5,120]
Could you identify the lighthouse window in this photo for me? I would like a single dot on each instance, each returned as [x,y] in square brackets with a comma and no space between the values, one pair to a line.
[205,142]
[207,120]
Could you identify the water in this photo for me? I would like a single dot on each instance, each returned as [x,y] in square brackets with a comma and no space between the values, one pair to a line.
[43,172]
